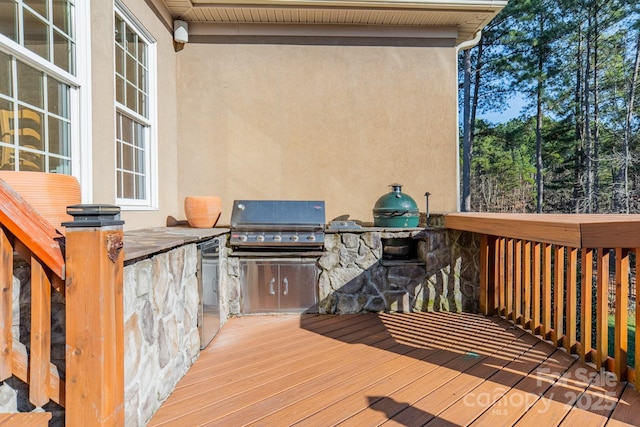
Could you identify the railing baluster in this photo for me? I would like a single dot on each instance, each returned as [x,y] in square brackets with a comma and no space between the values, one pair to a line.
[500,277]
[602,307]
[526,283]
[6,306]
[487,294]
[517,281]
[494,271]
[535,290]
[546,290]
[572,312]
[558,296]
[40,335]
[622,306]
[509,281]
[637,335]
[586,307]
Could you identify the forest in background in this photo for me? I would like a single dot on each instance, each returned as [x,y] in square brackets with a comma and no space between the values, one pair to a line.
[575,147]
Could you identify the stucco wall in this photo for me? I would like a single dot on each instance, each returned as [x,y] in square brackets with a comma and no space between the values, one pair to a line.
[331,122]
[103,113]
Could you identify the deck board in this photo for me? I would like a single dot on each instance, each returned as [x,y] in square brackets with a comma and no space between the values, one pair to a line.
[435,369]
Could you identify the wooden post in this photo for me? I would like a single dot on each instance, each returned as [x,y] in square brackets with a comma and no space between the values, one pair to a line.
[94,317]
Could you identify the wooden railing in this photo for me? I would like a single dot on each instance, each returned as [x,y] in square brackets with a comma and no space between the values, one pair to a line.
[25,232]
[550,274]
[90,274]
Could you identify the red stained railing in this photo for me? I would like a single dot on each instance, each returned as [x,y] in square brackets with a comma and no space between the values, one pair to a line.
[551,274]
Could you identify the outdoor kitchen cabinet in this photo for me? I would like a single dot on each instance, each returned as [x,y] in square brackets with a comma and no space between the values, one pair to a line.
[279,285]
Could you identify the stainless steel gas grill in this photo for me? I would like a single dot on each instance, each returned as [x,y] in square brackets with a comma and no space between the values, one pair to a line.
[278,243]
[277,224]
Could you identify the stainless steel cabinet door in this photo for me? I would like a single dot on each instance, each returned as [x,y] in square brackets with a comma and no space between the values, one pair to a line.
[259,282]
[278,285]
[298,286]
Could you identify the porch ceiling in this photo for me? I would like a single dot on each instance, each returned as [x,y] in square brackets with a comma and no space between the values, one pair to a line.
[468,16]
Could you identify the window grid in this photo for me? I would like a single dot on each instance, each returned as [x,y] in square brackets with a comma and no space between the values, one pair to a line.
[131,158]
[46,31]
[36,134]
[133,127]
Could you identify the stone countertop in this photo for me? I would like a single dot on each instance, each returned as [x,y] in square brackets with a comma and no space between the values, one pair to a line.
[409,231]
[146,241]
[365,229]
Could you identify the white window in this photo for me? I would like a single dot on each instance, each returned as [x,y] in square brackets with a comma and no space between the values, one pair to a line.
[38,85]
[135,112]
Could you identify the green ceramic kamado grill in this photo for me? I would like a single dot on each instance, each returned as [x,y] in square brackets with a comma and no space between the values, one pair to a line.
[396,209]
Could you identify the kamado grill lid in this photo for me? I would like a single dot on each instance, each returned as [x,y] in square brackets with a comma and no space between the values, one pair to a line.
[396,209]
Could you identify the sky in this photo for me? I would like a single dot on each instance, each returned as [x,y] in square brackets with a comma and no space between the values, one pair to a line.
[512,111]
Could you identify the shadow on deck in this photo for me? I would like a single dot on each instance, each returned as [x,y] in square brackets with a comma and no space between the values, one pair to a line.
[403,369]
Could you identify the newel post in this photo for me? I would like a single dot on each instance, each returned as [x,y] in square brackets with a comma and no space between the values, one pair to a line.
[94,317]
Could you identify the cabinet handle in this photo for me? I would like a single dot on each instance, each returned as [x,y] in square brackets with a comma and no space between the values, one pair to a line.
[271,282]
[286,286]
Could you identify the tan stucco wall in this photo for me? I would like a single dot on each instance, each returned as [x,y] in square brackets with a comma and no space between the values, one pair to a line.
[333,123]
[103,113]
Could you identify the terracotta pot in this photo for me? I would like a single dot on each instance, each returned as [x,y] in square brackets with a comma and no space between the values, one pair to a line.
[48,193]
[202,211]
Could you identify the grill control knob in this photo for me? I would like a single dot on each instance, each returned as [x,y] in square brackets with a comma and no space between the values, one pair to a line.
[311,238]
[277,238]
[243,238]
[294,238]
[260,238]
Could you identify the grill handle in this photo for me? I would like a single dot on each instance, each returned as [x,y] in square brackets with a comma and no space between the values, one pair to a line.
[286,286]
[271,283]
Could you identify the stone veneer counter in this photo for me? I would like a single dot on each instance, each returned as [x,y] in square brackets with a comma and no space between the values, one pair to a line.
[148,241]
[355,276]
[161,304]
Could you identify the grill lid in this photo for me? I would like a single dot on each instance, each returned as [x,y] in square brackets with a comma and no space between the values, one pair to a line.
[277,214]
[270,224]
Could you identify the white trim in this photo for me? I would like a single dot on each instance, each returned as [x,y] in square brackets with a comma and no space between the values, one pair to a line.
[151,149]
[154,172]
[23,54]
[325,30]
[82,151]
[122,9]
[348,4]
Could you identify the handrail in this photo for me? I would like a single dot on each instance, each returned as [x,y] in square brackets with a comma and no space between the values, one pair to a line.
[31,229]
[575,230]
[550,274]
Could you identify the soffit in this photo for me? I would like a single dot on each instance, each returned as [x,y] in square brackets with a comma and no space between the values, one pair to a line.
[468,16]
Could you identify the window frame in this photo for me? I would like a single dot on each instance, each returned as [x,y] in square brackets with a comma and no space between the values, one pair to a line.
[79,88]
[150,202]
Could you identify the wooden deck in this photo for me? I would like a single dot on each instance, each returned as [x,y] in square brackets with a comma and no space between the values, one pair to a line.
[435,369]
